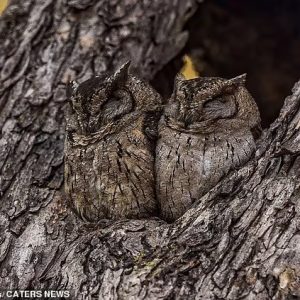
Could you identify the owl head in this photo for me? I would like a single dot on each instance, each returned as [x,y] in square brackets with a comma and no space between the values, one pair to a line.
[206,100]
[106,98]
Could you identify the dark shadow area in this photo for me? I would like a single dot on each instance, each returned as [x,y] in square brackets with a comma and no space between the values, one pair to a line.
[164,79]
[231,37]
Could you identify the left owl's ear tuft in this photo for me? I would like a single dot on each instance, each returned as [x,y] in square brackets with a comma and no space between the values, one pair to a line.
[71,88]
[120,77]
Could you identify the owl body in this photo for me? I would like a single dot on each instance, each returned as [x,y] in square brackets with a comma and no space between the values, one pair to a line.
[202,136]
[112,177]
[109,167]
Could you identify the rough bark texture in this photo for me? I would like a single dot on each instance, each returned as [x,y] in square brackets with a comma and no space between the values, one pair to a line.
[239,241]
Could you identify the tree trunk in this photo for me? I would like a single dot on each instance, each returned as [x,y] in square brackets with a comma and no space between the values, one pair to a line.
[241,240]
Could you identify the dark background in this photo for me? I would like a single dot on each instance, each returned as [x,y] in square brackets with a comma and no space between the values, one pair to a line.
[231,37]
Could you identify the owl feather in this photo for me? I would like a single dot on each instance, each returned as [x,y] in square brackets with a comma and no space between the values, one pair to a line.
[109,147]
[204,132]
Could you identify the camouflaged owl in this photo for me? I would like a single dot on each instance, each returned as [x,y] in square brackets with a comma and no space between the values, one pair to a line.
[207,129]
[110,146]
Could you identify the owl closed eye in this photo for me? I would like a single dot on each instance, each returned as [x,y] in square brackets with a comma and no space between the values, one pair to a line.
[205,131]
[109,157]
[100,100]
[119,104]
[219,107]
[203,99]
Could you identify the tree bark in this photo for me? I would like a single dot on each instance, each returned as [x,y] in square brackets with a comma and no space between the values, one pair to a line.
[239,241]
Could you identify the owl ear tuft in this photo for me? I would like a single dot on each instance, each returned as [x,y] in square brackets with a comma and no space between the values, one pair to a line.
[71,88]
[120,77]
[230,85]
[239,80]
[178,80]
[178,94]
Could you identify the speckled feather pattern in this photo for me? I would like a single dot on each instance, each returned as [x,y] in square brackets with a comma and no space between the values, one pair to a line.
[110,146]
[112,177]
[127,157]
[189,165]
[205,131]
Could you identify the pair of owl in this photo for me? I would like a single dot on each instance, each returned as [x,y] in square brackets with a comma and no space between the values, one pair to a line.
[129,156]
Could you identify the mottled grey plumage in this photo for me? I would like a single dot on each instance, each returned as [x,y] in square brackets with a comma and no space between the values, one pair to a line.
[109,147]
[206,130]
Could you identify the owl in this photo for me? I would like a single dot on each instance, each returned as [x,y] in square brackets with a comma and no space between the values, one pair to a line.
[208,128]
[111,128]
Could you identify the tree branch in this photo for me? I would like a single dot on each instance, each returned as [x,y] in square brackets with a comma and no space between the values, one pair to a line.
[238,241]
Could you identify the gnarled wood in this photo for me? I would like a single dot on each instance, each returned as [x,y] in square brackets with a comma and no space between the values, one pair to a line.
[241,240]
